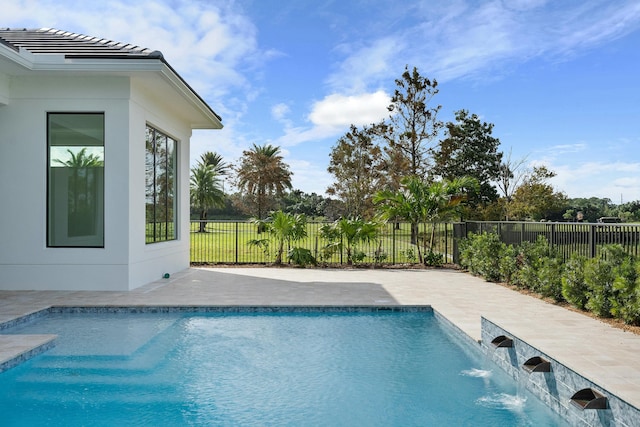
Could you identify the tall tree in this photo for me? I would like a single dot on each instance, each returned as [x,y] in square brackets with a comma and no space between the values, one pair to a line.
[298,202]
[412,124]
[512,172]
[205,191]
[215,160]
[355,162]
[536,199]
[469,149]
[264,176]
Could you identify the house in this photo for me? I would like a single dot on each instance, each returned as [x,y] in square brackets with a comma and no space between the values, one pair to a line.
[94,162]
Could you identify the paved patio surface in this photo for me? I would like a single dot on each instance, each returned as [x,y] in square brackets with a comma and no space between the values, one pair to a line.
[604,355]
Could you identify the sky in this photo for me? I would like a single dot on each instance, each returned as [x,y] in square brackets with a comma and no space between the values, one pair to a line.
[557,78]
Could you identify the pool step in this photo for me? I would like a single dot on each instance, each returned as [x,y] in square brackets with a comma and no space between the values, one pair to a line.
[15,349]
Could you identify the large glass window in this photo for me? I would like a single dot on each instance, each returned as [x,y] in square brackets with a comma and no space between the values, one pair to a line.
[160,168]
[75,184]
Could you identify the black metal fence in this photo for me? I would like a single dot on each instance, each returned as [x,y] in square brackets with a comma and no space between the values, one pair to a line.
[583,238]
[227,242]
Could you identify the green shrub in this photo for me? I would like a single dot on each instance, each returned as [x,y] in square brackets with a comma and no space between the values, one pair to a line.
[410,254]
[599,276]
[574,287]
[625,302]
[549,280]
[301,257]
[508,263]
[358,256]
[433,259]
[480,255]
[467,251]
[529,261]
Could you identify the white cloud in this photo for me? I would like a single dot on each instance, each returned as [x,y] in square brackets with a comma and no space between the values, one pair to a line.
[309,176]
[280,111]
[598,179]
[341,110]
[363,65]
[460,39]
[332,116]
[207,44]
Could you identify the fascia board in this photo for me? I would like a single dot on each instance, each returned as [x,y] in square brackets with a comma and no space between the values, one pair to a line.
[188,93]
[131,66]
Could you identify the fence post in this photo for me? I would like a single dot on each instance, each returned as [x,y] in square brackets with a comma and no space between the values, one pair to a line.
[236,242]
[592,240]
[459,232]
[393,242]
[446,241]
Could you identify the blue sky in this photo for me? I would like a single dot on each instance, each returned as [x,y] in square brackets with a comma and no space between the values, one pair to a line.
[558,79]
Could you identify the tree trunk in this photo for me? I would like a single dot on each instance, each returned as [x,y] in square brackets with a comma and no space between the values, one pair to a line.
[203,221]
[414,233]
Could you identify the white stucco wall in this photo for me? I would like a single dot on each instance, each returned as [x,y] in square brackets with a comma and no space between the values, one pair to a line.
[25,261]
[150,262]
[4,89]
[126,261]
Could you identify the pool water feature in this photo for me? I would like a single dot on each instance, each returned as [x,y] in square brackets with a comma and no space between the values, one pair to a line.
[314,369]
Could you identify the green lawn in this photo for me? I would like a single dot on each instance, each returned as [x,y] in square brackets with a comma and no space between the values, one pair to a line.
[226,242]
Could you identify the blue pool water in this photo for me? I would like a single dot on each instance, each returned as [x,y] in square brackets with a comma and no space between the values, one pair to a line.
[297,369]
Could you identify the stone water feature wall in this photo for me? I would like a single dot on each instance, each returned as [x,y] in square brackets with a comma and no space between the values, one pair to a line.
[556,387]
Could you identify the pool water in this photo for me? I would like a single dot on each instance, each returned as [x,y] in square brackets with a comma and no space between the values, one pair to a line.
[248,369]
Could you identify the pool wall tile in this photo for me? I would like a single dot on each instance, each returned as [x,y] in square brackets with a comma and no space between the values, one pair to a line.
[555,388]
[242,309]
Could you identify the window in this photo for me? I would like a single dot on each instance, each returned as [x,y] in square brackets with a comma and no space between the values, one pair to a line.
[160,170]
[75,180]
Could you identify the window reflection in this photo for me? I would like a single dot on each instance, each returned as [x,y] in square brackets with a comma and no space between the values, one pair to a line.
[160,170]
[76,180]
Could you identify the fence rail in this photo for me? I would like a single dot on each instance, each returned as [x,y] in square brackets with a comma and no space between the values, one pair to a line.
[586,239]
[226,242]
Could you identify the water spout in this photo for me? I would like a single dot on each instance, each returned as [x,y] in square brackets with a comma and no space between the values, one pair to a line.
[588,398]
[502,341]
[537,364]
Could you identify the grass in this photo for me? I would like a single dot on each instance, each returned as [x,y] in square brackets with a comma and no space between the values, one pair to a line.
[226,242]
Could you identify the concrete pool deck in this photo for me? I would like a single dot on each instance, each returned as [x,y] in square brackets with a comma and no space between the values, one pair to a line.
[605,355]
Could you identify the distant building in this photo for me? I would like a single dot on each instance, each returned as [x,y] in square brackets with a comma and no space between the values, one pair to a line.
[94,162]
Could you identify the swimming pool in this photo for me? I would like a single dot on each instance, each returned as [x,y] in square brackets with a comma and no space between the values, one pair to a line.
[315,368]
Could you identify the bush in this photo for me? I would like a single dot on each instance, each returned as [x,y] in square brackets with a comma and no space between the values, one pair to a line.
[574,288]
[625,302]
[301,257]
[534,261]
[599,276]
[480,255]
[433,259]
[508,263]
[549,280]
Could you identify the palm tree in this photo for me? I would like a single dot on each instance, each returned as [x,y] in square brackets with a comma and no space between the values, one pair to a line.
[205,190]
[424,203]
[216,161]
[285,228]
[83,168]
[81,159]
[263,174]
[351,231]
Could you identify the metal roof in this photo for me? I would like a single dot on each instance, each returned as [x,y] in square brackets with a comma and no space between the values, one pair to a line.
[45,41]
[71,45]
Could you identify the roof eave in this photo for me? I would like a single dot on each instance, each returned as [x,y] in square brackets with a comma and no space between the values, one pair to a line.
[89,63]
